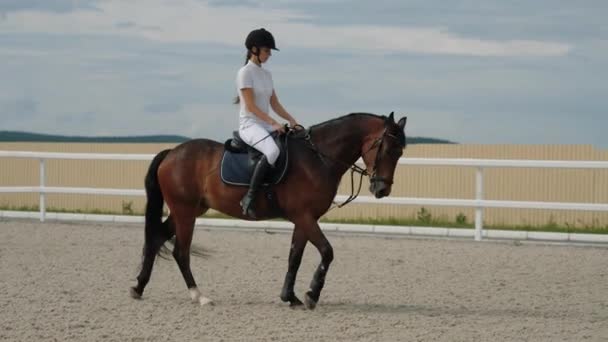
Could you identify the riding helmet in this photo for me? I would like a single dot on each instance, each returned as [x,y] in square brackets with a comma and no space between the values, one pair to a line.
[260,38]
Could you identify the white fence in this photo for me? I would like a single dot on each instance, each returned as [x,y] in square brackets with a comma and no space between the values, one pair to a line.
[478,203]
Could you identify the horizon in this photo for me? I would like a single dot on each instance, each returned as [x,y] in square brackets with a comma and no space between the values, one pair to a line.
[169,137]
[475,72]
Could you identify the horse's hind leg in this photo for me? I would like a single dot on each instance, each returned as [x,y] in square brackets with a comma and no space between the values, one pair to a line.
[158,236]
[184,229]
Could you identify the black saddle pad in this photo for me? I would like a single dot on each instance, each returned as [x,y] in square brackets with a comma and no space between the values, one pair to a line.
[236,168]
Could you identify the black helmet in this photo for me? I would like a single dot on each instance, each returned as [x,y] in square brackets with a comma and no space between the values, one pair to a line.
[260,38]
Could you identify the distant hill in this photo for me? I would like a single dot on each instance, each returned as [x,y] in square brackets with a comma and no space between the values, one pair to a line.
[15,136]
[425,140]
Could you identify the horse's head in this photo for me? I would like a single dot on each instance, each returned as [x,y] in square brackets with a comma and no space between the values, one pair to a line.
[381,152]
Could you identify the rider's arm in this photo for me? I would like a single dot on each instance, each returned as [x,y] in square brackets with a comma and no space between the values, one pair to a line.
[252,108]
[278,108]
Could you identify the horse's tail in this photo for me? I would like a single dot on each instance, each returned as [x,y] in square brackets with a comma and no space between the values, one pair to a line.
[154,204]
[155,228]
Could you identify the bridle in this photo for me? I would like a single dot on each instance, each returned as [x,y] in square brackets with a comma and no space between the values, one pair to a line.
[354,168]
[379,141]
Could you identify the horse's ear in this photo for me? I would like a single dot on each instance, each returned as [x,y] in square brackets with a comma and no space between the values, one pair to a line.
[402,122]
[391,118]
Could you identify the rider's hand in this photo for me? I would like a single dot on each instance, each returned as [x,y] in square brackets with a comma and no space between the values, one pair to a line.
[278,127]
[293,124]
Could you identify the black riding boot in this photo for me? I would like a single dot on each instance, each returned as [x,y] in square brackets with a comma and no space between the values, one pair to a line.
[256,180]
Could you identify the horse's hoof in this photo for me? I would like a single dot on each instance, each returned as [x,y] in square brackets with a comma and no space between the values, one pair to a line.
[311,304]
[205,301]
[295,303]
[134,293]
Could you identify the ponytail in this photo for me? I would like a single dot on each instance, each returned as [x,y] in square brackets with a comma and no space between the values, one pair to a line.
[237,100]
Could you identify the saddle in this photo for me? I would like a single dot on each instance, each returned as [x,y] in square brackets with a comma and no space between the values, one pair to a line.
[239,160]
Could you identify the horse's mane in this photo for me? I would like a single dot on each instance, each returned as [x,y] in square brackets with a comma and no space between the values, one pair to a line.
[400,134]
[344,117]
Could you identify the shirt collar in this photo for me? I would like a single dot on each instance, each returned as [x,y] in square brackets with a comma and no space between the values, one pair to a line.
[252,63]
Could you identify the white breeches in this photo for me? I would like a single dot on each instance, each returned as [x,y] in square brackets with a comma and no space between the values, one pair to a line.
[259,138]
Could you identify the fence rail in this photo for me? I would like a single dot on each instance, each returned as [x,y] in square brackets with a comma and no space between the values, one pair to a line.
[478,203]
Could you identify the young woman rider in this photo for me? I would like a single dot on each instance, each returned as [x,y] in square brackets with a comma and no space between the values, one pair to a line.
[256,97]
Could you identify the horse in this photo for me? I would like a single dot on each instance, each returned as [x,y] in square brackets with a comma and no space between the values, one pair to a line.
[187,179]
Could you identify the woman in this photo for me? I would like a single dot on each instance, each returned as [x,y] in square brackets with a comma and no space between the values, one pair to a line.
[256,97]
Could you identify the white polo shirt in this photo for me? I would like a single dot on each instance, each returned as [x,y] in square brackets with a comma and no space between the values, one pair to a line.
[260,80]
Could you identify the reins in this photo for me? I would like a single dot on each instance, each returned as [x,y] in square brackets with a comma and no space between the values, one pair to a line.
[354,168]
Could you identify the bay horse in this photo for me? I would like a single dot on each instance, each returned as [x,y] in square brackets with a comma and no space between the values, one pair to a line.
[187,178]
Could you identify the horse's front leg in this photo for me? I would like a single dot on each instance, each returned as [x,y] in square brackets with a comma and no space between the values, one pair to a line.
[316,236]
[298,243]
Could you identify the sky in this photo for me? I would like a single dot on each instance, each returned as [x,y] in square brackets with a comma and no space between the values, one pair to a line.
[479,72]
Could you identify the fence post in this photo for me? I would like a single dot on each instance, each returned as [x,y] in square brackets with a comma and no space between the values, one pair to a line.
[42,194]
[478,209]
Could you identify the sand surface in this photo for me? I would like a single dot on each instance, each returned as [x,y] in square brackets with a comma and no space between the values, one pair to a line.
[69,282]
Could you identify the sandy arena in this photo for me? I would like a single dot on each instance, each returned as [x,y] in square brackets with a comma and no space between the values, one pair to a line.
[70,281]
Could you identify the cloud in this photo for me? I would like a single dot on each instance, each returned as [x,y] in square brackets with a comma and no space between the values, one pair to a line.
[59,6]
[162,108]
[234,3]
[149,67]
[125,24]
[416,40]
[20,108]
[194,21]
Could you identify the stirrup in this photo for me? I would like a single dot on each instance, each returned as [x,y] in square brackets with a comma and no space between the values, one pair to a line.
[247,206]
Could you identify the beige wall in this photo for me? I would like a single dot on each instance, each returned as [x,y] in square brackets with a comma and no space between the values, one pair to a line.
[411,181]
